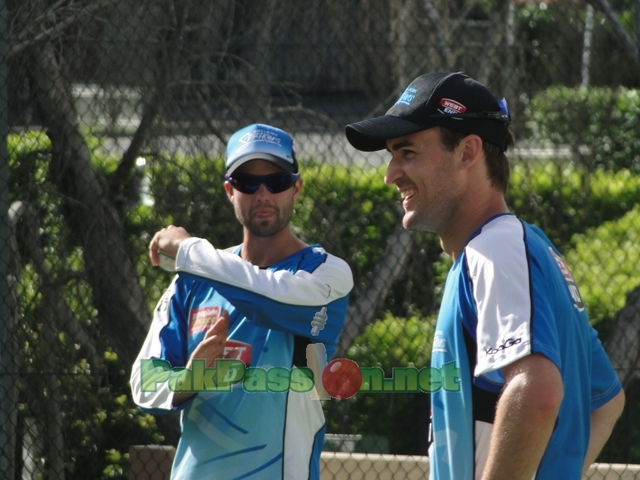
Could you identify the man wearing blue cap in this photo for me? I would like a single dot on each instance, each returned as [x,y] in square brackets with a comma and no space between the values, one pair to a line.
[522,386]
[240,321]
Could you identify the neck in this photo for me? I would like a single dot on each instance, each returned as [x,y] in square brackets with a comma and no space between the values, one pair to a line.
[468,220]
[266,251]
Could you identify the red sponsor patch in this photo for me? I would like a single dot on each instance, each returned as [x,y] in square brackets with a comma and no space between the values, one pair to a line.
[201,319]
[451,106]
[238,351]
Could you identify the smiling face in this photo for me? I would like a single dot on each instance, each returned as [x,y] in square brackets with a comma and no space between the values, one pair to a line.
[263,213]
[428,179]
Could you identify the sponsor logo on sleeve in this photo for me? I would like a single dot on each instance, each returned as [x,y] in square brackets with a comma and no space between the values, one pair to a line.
[571,283]
[510,342]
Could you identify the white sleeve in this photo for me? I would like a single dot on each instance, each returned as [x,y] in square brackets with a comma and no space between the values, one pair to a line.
[330,281]
[158,395]
[499,272]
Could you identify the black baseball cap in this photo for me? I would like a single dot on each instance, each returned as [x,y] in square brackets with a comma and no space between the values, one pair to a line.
[452,100]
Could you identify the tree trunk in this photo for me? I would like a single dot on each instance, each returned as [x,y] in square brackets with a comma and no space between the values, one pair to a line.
[120,301]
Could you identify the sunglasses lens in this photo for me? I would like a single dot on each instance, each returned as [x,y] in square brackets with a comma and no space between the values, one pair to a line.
[275,183]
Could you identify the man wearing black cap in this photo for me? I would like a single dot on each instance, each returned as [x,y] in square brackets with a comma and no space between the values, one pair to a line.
[522,386]
[242,321]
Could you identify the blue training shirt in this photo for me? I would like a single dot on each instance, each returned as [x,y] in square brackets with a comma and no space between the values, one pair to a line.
[510,294]
[253,416]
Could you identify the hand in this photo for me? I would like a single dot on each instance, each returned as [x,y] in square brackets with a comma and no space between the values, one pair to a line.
[212,345]
[168,240]
[210,348]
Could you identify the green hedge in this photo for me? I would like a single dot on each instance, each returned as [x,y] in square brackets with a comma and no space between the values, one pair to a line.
[401,418]
[563,201]
[600,125]
[604,263]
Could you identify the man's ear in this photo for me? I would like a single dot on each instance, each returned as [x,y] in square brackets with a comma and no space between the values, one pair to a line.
[297,188]
[229,189]
[471,148]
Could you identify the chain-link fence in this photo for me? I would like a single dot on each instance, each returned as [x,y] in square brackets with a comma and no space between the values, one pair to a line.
[114,118]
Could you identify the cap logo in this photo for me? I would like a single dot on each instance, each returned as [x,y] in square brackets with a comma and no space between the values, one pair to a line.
[408,96]
[257,136]
[451,106]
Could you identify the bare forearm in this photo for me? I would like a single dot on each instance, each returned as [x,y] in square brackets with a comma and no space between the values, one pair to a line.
[524,422]
[519,440]
[602,422]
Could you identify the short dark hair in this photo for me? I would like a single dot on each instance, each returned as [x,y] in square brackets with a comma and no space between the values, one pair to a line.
[497,161]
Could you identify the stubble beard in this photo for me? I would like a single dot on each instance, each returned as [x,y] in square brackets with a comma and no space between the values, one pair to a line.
[431,218]
[414,221]
[265,228]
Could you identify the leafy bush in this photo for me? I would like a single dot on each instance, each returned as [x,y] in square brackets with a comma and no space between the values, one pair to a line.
[400,417]
[556,197]
[342,206]
[604,263]
[600,125]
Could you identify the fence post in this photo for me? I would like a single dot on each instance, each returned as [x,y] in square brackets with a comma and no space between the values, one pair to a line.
[8,385]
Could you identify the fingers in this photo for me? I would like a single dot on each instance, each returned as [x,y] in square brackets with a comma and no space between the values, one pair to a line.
[212,344]
[154,251]
[168,240]
[220,327]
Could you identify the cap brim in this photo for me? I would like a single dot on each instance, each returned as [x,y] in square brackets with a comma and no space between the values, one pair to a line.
[283,164]
[372,135]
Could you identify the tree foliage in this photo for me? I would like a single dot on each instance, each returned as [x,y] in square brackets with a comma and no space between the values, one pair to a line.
[598,125]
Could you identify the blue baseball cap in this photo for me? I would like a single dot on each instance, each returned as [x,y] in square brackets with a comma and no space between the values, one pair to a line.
[261,142]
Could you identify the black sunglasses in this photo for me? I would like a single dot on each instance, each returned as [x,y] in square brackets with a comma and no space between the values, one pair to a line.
[275,183]
[499,116]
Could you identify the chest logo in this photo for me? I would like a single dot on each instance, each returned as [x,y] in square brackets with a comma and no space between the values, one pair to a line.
[235,350]
[200,319]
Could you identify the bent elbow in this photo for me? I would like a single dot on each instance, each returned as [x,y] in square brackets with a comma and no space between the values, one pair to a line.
[550,400]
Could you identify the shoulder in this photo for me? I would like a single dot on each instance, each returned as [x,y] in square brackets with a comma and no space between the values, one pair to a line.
[326,267]
[498,242]
[315,256]
[504,229]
